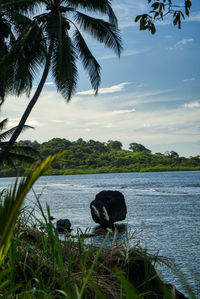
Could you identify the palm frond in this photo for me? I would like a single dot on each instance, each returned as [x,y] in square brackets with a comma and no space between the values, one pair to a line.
[20,71]
[17,157]
[102,6]
[3,124]
[88,60]
[6,38]
[8,133]
[27,151]
[20,154]
[17,19]
[13,199]
[64,57]
[22,6]
[103,31]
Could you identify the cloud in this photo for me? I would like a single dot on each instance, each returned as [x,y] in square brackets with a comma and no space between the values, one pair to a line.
[102,119]
[13,122]
[111,89]
[124,54]
[127,10]
[192,105]
[189,79]
[195,16]
[118,112]
[49,83]
[179,45]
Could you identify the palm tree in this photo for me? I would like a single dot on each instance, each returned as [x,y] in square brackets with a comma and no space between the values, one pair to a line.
[54,39]
[12,23]
[17,153]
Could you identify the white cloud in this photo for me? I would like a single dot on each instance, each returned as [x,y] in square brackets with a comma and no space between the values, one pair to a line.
[101,119]
[49,83]
[192,105]
[108,126]
[13,122]
[111,89]
[58,121]
[179,45]
[124,54]
[189,79]
[195,16]
[127,10]
[118,112]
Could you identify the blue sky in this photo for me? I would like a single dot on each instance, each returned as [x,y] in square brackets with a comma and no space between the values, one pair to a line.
[151,95]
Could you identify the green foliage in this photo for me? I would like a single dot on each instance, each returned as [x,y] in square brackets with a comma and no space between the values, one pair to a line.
[136,147]
[46,37]
[39,265]
[12,200]
[23,153]
[160,9]
[98,157]
[51,38]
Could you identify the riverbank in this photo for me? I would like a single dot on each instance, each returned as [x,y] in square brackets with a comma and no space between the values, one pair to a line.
[42,266]
[35,263]
[92,157]
[75,171]
[117,170]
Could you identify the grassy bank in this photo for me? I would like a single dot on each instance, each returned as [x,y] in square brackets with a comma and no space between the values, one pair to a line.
[39,265]
[118,170]
[35,263]
[75,171]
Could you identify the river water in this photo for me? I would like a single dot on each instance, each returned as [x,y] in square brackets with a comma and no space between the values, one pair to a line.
[163,208]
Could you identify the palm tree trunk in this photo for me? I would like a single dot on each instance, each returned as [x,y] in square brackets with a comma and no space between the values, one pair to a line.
[30,106]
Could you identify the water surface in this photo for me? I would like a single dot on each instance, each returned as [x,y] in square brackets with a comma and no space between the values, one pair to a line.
[164,206]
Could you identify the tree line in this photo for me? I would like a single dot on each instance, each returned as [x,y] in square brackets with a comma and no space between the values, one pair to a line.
[99,157]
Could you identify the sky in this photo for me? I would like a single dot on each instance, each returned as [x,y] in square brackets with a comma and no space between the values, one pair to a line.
[151,95]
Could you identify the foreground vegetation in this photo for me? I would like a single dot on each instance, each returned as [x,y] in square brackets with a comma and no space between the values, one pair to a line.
[35,263]
[99,157]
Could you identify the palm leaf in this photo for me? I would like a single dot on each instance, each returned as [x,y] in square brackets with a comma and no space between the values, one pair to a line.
[9,132]
[17,19]
[19,70]
[102,6]
[20,154]
[24,6]
[103,31]
[3,124]
[14,157]
[64,60]
[88,60]
[13,200]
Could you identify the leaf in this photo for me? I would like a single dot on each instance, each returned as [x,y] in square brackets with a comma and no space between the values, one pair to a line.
[89,62]
[13,200]
[64,61]
[138,18]
[103,31]
[155,5]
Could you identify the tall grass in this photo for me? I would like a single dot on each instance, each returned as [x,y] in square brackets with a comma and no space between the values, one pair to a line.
[35,263]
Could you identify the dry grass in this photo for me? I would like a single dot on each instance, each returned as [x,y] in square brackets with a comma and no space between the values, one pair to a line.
[34,258]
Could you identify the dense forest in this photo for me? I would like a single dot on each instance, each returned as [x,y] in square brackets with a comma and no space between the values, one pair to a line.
[98,157]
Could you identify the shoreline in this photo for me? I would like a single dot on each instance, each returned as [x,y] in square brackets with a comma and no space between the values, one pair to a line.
[78,171]
[118,271]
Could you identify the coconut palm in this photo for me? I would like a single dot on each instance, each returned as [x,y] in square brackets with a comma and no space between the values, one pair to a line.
[17,153]
[54,38]
[12,24]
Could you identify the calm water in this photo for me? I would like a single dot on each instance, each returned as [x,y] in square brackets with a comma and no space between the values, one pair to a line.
[165,206]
